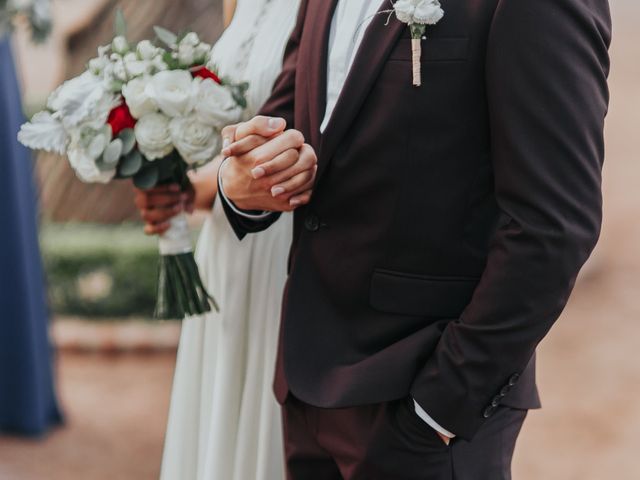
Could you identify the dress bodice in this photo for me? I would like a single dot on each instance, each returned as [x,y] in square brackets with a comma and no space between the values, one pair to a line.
[252,47]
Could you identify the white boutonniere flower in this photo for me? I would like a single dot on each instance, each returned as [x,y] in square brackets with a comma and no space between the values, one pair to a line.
[418,14]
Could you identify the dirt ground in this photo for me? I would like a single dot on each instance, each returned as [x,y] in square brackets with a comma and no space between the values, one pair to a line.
[589,372]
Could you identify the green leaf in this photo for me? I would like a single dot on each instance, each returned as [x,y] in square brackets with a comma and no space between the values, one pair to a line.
[165,36]
[103,166]
[116,86]
[112,153]
[171,62]
[130,164]
[128,138]
[106,130]
[417,30]
[120,24]
[147,177]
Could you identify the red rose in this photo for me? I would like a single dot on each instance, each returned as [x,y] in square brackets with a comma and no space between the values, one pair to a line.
[204,72]
[120,119]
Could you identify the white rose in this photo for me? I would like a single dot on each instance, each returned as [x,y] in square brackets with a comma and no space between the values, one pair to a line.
[215,105]
[159,64]
[119,70]
[120,45]
[135,94]
[404,10]
[103,50]
[186,54]
[174,91]
[135,67]
[196,142]
[85,166]
[97,65]
[202,53]
[146,50]
[428,12]
[190,38]
[153,136]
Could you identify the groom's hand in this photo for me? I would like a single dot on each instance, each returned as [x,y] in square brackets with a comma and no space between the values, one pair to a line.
[267,168]
[444,438]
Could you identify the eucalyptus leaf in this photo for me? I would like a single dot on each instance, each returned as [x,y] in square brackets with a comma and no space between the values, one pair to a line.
[130,164]
[147,177]
[113,152]
[128,138]
[103,166]
[165,36]
[106,130]
[116,86]
[120,24]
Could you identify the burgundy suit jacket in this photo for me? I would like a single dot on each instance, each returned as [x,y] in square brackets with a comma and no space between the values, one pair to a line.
[449,221]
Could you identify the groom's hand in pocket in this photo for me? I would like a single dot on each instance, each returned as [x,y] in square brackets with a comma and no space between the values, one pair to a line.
[267,168]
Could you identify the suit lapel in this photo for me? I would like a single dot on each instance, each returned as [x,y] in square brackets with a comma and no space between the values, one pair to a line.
[317,74]
[378,41]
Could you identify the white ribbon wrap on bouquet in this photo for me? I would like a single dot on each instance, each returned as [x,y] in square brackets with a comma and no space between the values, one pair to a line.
[176,240]
[416,53]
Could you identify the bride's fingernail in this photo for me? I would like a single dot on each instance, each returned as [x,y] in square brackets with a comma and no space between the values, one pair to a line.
[226,151]
[275,123]
[258,172]
[294,202]
[275,191]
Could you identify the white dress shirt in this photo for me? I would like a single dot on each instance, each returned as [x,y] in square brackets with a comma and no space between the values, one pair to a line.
[349,24]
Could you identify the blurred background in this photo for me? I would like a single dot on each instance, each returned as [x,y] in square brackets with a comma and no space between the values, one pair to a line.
[114,367]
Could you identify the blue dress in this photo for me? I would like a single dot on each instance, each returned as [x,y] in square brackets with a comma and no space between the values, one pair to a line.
[28,404]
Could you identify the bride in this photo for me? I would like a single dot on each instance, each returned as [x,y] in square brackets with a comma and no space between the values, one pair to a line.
[224,422]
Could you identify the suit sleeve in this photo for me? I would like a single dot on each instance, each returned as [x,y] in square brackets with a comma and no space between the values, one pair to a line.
[546,75]
[279,104]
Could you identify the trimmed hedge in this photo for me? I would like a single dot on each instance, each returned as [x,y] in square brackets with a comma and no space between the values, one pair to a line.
[100,271]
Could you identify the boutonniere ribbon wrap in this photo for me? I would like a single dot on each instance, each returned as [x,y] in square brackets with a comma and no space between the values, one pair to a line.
[417,14]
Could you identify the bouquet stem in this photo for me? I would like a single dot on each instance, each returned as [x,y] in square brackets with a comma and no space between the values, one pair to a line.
[180,289]
[416,53]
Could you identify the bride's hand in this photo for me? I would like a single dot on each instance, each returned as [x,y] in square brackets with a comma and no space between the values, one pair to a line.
[268,168]
[158,205]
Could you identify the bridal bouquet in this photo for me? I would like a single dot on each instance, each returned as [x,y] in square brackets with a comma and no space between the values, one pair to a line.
[37,12]
[146,113]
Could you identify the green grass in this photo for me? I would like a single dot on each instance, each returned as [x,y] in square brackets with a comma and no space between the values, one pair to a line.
[100,271]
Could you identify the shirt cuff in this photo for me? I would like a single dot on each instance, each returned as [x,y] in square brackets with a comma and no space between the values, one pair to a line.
[236,210]
[431,422]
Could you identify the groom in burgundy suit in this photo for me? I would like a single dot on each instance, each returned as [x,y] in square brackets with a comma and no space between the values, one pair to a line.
[445,231]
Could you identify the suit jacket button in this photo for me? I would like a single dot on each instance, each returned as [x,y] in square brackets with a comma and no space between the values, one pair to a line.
[312,222]
[488,412]
[514,379]
[506,389]
[496,401]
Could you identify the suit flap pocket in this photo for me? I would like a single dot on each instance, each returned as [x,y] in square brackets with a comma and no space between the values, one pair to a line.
[420,295]
[433,50]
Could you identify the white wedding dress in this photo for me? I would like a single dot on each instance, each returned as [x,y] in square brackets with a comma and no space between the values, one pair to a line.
[224,422]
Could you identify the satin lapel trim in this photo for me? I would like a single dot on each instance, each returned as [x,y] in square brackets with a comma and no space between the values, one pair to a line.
[378,41]
[317,74]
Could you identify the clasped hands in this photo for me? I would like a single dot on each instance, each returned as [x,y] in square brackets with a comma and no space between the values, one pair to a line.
[266,167]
